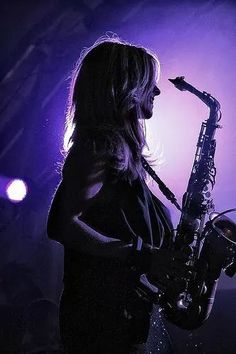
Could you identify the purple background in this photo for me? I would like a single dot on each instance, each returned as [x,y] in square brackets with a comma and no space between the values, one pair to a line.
[40,43]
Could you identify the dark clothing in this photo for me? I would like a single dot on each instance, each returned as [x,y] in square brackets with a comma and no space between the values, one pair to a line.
[100,311]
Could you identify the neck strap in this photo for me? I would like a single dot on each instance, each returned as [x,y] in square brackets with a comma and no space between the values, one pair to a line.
[163,188]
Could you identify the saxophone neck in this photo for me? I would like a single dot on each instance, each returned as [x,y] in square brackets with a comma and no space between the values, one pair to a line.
[209,100]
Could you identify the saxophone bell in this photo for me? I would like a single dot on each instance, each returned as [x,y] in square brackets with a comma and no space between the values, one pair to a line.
[219,249]
[224,225]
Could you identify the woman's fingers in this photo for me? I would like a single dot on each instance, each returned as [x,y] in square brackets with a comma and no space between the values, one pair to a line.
[169,263]
[169,271]
[167,257]
[177,284]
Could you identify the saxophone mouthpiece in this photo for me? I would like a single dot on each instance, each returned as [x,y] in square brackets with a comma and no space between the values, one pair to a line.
[178,82]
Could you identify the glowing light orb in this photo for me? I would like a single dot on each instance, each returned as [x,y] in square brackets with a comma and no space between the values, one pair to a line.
[16,190]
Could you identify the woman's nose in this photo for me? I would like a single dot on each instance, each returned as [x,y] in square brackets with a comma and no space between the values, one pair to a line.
[156,91]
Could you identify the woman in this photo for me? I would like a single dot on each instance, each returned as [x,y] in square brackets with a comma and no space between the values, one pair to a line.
[111,226]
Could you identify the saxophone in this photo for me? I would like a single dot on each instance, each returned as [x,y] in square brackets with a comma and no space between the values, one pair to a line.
[211,245]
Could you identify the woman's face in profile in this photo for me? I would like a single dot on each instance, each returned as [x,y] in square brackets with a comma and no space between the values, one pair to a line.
[148,100]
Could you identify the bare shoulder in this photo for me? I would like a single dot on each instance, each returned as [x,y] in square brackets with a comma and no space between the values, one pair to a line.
[83,177]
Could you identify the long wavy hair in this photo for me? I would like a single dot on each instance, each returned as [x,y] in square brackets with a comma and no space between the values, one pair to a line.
[108,87]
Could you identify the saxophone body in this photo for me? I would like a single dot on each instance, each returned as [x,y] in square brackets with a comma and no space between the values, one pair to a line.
[211,245]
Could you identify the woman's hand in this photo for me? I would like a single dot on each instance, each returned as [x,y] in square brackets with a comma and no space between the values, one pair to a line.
[168,269]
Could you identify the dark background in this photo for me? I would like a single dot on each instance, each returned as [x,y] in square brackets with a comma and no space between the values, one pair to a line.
[40,43]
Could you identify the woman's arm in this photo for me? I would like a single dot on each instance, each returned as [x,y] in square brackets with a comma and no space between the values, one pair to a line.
[74,194]
[88,240]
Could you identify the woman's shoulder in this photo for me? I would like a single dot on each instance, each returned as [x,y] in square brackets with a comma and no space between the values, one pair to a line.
[82,162]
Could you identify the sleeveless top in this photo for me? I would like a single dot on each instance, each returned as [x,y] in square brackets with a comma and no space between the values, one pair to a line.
[122,210]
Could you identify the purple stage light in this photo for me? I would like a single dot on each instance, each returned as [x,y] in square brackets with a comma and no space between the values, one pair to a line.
[16,190]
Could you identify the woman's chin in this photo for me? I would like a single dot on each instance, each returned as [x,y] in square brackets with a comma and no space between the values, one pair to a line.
[147,114]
